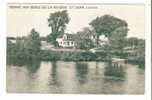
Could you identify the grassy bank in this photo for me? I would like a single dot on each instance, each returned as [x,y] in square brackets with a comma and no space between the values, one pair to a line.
[48,55]
[137,61]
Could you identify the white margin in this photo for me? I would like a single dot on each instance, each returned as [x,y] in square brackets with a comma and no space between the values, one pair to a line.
[5,96]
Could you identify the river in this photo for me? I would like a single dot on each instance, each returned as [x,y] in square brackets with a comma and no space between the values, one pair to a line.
[74,78]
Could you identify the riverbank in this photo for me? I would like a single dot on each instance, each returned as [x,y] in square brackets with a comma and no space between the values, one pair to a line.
[48,55]
[140,62]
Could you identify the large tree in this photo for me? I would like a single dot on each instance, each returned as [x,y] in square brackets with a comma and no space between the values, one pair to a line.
[57,21]
[106,24]
[117,40]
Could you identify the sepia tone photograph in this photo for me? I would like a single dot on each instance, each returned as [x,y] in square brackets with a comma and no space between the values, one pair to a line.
[75,48]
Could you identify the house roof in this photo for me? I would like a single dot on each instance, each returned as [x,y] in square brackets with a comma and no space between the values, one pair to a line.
[60,35]
[69,36]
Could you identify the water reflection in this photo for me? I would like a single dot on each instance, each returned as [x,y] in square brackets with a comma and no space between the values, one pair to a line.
[81,71]
[53,74]
[53,79]
[74,77]
[97,68]
[115,71]
[33,66]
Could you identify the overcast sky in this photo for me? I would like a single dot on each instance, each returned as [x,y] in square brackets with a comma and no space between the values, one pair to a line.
[21,21]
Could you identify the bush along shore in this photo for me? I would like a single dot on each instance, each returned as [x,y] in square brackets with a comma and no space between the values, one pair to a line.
[48,55]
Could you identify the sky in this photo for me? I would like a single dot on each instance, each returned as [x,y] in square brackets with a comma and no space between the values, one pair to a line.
[21,21]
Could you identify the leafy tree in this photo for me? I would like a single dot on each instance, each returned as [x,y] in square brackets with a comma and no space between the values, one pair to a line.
[87,32]
[85,44]
[106,24]
[84,39]
[141,43]
[57,21]
[32,44]
[52,39]
[141,53]
[132,42]
[117,39]
[10,46]
[19,49]
[138,48]
[25,48]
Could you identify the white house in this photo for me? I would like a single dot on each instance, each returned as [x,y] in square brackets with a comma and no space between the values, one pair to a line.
[66,40]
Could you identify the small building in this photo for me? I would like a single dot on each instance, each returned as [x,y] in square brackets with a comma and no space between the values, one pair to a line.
[66,40]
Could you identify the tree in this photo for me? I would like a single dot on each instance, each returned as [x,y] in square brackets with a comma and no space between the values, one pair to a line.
[85,44]
[32,44]
[117,39]
[19,49]
[84,39]
[87,32]
[141,53]
[24,49]
[10,46]
[106,24]
[132,42]
[57,21]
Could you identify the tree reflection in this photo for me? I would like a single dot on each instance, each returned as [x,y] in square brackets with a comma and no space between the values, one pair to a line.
[81,71]
[97,69]
[33,65]
[54,80]
[114,71]
[16,62]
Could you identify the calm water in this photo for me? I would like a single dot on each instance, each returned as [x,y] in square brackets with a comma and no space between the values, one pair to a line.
[75,77]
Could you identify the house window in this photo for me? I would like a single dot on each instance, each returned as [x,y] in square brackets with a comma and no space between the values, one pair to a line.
[68,42]
[65,37]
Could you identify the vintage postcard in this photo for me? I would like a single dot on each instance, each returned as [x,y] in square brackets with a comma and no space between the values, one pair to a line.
[75,48]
